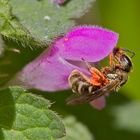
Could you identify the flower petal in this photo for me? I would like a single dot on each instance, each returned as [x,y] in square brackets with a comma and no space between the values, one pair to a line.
[92,43]
[49,72]
[99,103]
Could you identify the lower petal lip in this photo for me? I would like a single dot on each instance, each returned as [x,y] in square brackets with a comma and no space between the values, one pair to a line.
[99,103]
[49,73]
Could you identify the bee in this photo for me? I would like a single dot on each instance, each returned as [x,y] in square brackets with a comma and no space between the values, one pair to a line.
[108,79]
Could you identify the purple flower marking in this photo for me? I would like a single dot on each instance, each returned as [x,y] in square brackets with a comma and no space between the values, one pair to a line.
[59,1]
[50,71]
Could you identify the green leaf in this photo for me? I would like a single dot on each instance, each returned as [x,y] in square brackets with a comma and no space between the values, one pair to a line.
[127,116]
[76,130]
[46,20]
[24,116]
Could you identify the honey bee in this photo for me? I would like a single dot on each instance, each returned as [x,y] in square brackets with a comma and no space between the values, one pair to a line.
[108,79]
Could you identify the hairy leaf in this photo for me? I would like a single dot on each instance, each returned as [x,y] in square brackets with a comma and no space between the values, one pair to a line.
[24,116]
[11,28]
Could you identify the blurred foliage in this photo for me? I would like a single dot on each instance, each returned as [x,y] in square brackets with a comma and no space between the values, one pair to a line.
[127,117]
[1,46]
[76,130]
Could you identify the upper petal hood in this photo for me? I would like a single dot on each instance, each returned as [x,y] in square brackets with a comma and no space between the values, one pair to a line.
[92,43]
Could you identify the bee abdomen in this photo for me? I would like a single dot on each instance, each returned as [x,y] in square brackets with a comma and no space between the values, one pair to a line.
[76,82]
[79,84]
[82,87]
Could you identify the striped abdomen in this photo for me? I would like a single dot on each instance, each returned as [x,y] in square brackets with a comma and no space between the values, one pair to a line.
[79,84]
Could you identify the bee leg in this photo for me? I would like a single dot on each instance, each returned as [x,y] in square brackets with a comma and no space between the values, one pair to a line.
[97,75]
[85,77]
[93,70]
[111,60]
[94,81]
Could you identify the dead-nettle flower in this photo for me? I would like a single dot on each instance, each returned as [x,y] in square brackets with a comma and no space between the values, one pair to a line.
[50,71]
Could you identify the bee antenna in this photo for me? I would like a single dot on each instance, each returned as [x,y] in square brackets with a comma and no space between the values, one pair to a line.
[131,52]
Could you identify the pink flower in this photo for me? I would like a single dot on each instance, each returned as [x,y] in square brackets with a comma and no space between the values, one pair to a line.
[50,71]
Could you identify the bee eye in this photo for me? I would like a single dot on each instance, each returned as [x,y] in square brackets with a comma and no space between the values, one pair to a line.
[126,62]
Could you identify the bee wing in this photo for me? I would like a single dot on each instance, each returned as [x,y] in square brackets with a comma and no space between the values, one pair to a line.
[92,96]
